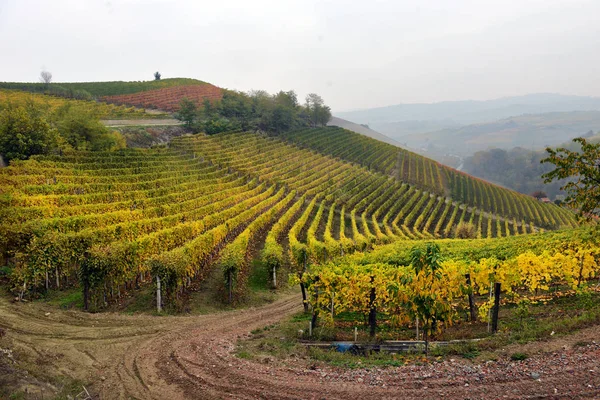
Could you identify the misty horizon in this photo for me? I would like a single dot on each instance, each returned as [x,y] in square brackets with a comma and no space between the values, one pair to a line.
[354,56]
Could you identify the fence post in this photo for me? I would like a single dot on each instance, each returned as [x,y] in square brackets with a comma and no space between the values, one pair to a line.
[471,300]
[496,307]
[158,296]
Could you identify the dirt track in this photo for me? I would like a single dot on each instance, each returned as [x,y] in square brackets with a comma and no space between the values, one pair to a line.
[173,358]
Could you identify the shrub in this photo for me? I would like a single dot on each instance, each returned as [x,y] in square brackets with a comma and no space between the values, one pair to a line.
[465,230]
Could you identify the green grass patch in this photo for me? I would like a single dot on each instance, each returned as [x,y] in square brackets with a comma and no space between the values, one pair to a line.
[66,299]
[519,356]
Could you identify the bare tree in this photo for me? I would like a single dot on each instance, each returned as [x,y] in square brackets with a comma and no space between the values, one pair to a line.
[45,77]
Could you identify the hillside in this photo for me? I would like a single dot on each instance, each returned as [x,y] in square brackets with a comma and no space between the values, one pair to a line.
[100,89]
[53,103]
[529,131]
[123,215]
[450,113]
[164,94]
[422,172]
[363,130]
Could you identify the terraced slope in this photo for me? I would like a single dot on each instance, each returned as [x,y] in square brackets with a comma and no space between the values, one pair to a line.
[431,176]
[117,219]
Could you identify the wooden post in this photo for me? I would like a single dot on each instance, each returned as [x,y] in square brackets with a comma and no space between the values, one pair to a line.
[315,316]
[274,276]
[230,287]
[304,302]
[310,325]
[158,295]
[489,327]
[355,334]
[417,328]
[472,310]
[302,288]
[496,307]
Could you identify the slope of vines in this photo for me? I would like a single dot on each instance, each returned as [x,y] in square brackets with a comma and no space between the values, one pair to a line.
[110,221]
[432,176]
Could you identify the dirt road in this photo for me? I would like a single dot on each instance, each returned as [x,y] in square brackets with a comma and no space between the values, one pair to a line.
[140,122]
[147,357]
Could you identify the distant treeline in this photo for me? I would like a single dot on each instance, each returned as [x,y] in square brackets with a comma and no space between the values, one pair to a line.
[518,169]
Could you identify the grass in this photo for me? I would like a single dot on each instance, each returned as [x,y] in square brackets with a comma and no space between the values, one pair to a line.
[518,356]
[69,298]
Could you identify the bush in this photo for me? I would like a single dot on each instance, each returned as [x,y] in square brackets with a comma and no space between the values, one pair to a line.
[465,230]
[25,132]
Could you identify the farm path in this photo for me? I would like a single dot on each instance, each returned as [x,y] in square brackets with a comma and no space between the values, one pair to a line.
[148,357]
[140,122]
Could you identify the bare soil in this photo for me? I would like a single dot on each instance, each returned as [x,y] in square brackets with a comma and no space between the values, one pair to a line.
[181,357]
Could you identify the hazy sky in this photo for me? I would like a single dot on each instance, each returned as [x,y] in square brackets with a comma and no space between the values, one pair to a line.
[356,54]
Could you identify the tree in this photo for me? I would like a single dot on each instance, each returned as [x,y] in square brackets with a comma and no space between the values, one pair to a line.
[583,169]
[319,113]
[539,194]
[82,130]
[24,132]
[46,77]
[188,112]
[157,76]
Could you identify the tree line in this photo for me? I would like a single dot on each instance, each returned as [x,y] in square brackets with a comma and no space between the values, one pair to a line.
[254,111]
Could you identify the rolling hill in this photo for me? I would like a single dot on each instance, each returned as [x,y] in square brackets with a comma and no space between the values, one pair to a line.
[531,131]
[363,130]
[390,120]
[111,219]
[164,94]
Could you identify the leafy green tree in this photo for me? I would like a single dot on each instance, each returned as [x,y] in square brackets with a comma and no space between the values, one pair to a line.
[25,132]
[237,106]
[319,113]
[188,112]
[583,170]
[82,130]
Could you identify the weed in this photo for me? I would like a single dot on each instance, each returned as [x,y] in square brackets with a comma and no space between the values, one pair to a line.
[518,356]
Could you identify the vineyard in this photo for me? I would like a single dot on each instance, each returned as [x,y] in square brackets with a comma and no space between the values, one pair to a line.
[167,98]
[100,89]
[435,178]
[528,270]
[52,103]
[115,220]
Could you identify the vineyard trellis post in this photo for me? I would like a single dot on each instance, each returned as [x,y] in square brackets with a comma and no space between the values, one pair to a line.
[158,295]
[496,307]
[372,309]
[472,310]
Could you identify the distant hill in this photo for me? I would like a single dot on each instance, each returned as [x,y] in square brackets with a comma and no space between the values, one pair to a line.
[529,131]
[363,130]
[164,94]
[396,120]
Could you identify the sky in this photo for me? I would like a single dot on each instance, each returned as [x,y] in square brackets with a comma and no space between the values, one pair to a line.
[355,54]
